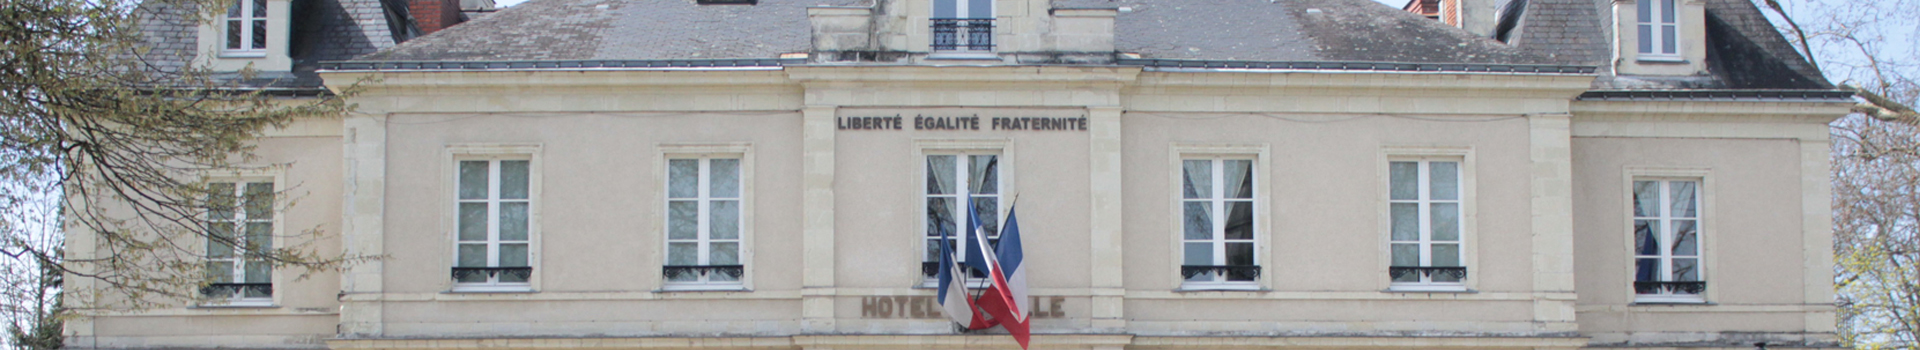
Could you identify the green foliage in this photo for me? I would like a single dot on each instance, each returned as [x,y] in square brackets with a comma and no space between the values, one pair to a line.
[97,123]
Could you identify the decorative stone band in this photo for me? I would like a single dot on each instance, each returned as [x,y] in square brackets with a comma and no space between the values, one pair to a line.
[688,271]
[1361,66]
[518,273]
[228,290]
[1455,272]
[1688,287]
[979,341]
[1233,272]
[1718,95]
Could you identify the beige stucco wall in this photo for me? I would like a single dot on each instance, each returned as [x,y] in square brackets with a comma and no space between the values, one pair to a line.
[835,215]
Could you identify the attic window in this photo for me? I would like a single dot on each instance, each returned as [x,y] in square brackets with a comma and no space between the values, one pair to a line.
[1659,30]
[727,2]
[246,27]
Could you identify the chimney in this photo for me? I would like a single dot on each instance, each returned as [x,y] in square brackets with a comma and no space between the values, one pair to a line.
[434,15]
[841,28]
[1476,16]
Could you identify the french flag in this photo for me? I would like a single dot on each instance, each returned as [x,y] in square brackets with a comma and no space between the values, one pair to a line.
[953,297]
[1006,300]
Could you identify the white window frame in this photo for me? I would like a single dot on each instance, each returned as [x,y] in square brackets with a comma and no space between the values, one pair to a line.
[1704,221]
[1468,215]
[961,148]
[1262,218]
[1216,202]
[274,179]
[705,153]
[963,10]
[250,12]
[493,153]
[1649,25]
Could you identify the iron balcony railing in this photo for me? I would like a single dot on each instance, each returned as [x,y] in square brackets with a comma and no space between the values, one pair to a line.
[1688,287]
[694,271]
[957,34]
[476,273]
[1454,272]
[243,290]
[1233,272]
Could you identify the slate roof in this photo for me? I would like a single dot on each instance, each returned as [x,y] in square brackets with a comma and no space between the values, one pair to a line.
[1744,51]
[323,30]
[1264,30]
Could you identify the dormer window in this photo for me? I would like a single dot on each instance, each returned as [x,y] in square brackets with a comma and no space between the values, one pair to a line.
[246,28]
[1659,30]
[962,25]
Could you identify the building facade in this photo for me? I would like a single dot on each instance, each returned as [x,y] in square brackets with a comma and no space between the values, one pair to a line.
[1335,174]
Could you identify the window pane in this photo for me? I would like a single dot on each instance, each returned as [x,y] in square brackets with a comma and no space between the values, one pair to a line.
[1646,237]
[220,201]
[473,179]
[473,221]
[683,254]
[1239,178]
[259,201]
[513,179]
[683,220]
[979,8]
[259,236]
[1404,179]
[724,253]
[1645,11]
[1646,38]
[1666,11]
[1240,254]
[725,182]
[988,208]
[472,255]
[940,173]
[683,178]
[259,272]
[259,8]
[1646,198]
[513,221]
[1198,221]
[1406,254]
[1683,198]
[933,250]
[234,10]
[1445,255]
[1646,270]
[1239,220]
[1686,270]
[723,221]
[985,174]
[1198,253]
[1686,238]
[1406,221]
[220,240]
[259,34]
[1198,178]
[946,9]
[513,255]
[1446,221]
[1670,42]
[220,271]
[1444,178]
[940,218]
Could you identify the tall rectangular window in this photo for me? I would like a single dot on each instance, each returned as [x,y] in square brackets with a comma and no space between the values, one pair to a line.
[494,206]
[239,231]
[246,26]
[1666,241]
[1659,29]
[1425,239]
[955,182]
[962,25]
[1217,219]
[703,223]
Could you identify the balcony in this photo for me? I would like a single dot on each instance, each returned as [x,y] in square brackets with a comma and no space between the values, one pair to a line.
[962,34]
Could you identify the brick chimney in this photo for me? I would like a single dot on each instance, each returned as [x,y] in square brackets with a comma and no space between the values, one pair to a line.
[434,15]
[1476,16]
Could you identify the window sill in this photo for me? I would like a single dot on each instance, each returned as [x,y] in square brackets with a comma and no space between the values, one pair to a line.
[702,288]
[964,55]
[237,305]
[490,290]
[243,54]
[1661,60]
[1248,287]
[1429,289]
[1669,301]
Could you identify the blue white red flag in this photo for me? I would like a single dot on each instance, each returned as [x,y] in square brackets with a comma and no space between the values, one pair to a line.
[1006,299]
